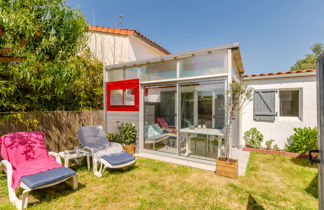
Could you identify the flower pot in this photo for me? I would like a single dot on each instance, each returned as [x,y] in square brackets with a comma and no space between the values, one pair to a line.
[227,167]
[130,148]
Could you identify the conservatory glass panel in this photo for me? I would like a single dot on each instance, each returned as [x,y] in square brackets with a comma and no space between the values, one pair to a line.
[116,97]
[115,75]
[159,71]
[204,65]
[131,73]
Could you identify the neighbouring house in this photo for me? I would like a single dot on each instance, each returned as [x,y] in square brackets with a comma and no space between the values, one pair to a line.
[116,45]
[281,101]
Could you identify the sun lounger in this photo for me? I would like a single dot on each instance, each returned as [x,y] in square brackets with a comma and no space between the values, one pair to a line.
[30,166]
[105,154]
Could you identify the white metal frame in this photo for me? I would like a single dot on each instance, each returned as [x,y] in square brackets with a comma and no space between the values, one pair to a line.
[23,202]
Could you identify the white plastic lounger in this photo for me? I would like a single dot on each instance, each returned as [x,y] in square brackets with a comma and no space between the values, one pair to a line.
[38,181]
[28,165]
[104,154]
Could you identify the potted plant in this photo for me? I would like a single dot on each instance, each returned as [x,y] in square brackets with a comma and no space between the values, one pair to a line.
[238,95]
[127,135]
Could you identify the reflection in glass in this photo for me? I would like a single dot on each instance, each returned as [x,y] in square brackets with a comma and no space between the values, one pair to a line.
[202,117]
[160,118]
[208,64]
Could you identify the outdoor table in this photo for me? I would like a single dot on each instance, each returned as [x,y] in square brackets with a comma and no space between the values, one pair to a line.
[206,131]
[76,155]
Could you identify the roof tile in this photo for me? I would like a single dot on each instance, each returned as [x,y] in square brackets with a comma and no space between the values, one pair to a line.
[280,73]
[128,32]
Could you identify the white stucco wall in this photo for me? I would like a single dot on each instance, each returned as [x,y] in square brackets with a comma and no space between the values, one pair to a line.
[141,50]
[116,49]
[109,48]
[282,127]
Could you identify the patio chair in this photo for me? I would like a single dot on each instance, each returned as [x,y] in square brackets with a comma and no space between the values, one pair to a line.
[153,134]
[30,166]
[164,125]
[105,154]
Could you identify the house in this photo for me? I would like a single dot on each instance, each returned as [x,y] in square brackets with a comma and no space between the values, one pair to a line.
[282,101]
[116,45]
[177,103]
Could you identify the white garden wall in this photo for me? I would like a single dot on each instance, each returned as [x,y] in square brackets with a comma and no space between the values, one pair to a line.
[282,127]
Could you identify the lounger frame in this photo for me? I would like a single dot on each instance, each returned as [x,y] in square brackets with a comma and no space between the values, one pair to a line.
[99,165]
[23,202]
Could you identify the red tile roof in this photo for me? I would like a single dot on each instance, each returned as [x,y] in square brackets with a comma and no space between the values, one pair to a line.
[280,73]
[128,32]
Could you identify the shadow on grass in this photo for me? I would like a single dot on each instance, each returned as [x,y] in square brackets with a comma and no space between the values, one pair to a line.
[253,204]
[122,170]
[51,193]
[313,187]
[303,162]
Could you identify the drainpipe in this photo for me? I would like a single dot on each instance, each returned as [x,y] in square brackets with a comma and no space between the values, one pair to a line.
[320,126]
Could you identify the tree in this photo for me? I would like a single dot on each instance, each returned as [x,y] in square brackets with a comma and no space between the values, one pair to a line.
[57,72]
[309,62]
[239,94]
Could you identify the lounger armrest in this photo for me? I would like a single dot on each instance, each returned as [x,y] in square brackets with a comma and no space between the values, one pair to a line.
[5,164]
[56,156]
[8,169]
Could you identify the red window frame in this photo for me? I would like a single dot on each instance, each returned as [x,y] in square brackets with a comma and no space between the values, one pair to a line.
[122,85]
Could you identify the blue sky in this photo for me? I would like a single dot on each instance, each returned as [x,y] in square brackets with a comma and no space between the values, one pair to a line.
[273,34]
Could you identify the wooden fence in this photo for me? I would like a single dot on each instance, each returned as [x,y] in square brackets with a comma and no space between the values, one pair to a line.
[60,127]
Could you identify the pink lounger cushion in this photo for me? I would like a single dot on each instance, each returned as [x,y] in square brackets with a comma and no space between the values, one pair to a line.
[27,154]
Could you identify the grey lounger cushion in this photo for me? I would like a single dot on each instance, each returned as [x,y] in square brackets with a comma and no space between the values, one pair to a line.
[118,159]
[47,177]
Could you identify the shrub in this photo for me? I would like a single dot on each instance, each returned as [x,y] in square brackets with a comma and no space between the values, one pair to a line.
[127,132]
[253,138]
[269,143]
[303,140]
[275,147]
[114,137]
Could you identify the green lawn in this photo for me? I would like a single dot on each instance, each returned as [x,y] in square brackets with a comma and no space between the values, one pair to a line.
[272,182]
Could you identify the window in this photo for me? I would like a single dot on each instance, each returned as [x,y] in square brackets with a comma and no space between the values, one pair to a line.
[289,103]
[123,95]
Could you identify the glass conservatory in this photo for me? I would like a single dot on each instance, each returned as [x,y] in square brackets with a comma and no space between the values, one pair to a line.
[177,101]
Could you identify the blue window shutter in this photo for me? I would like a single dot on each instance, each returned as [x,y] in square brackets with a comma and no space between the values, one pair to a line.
[264,105]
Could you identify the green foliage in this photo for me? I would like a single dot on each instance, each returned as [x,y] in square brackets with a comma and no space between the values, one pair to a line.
[269,143]
[29,123]
[59,72]
[253,138]
[52,30]
[309,62]
[275,147]
[303,140]
[113,137]
[127,132]
[240,95]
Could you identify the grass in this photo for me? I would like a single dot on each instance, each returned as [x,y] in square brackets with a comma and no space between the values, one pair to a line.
[272,182]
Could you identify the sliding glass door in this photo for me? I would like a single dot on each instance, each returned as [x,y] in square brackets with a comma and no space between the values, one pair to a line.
[202,118]
[160,118]
[199,113]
